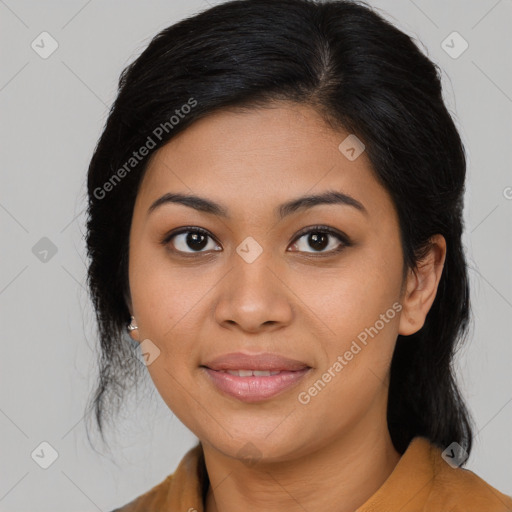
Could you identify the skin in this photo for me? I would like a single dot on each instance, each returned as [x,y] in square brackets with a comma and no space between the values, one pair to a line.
[292,300]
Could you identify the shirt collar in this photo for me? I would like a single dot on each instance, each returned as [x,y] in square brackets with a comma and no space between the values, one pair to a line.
[409,482]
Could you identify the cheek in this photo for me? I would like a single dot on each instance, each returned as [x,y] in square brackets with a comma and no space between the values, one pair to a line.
[355,365]
[165,295]
[357,313]
[351,298]
[175,389]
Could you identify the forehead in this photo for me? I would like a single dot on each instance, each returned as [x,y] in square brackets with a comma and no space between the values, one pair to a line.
[254,159]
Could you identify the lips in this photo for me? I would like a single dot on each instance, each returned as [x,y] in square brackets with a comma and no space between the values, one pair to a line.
[253,378]
[258,362]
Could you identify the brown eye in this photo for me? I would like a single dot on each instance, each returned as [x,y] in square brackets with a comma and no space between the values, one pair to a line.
[190,240]
[320,238]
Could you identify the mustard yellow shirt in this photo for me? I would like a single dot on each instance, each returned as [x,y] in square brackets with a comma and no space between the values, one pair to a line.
[421,482]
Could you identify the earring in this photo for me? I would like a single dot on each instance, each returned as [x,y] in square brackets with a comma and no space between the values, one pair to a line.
[132,326]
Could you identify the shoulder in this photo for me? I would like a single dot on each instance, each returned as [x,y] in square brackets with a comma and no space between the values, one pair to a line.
[423,481]
[150,500]
[456,489]
[183,487]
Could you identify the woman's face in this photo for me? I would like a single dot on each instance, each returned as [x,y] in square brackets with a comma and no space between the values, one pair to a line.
[260,278]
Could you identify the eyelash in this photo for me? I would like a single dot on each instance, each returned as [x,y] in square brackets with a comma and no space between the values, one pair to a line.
[344,239]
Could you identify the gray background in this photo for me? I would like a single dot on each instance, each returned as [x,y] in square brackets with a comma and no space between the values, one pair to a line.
[52,113]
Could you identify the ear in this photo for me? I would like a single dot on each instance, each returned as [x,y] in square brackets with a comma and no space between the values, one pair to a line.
[421,287]
[134,335]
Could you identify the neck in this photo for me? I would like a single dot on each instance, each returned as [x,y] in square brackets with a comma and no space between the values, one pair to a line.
[345,472]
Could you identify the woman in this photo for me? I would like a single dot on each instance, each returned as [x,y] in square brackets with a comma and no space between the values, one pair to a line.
[275,209]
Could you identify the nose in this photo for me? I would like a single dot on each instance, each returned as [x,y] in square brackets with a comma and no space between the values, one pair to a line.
[253,296]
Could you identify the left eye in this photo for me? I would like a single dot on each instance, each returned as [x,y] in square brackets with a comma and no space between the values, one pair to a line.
[318,239]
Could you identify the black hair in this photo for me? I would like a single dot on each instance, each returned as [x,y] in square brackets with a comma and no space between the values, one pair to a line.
[360,73]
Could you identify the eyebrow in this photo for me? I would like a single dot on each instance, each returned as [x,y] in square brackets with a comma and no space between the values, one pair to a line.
[206,205]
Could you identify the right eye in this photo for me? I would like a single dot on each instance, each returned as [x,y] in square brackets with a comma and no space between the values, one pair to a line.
[189,240]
